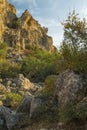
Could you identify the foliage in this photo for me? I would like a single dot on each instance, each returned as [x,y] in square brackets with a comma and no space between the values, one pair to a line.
[81,110]
[7,69]
[3,50]
[47,113]
[39,64]
[67,112]
[13,99]
[74,46]
[73,110]
[75,30]
[49,87]
[47,110]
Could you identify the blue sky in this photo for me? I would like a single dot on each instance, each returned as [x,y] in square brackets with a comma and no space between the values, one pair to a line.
[51,13]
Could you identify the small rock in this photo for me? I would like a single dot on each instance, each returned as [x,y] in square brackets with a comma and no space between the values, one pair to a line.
[1,103]
[1,80]
[9,83]
[2,88]
[13,85]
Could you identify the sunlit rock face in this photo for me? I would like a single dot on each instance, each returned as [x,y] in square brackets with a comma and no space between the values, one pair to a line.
[7,15]
[24,31]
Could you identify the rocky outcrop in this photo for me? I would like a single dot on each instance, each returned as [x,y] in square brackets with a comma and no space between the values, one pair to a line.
[24,31]
[18,84]
[7,16]
[24,83]
[68,87]
[11,120]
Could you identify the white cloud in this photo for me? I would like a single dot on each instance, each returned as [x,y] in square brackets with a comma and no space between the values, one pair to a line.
[49,22]
[54,29]
[19,12]
[83,12]
[57,36]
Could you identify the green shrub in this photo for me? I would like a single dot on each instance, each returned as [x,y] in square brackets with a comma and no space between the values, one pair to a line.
[74,59]
[49,87]
[67,112]
[3,50]
[47,110]
[7,69]
[81,110]
[47,113]
[13,99]
[39,64]
[72,111]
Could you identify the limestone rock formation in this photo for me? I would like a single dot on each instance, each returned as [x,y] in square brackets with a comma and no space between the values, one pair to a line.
[7,16]
[24,31]
[24,83]
[68,87]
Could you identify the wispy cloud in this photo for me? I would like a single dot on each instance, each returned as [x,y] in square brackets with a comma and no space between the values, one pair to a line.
[19,12]
[20,2]
[49,22]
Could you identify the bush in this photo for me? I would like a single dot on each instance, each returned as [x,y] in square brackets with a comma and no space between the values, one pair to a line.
[3,50]
[49,87]
[7,69]
[81,110]
[39,64]
[74,59]
[67,112]
[12,99]
[47,110]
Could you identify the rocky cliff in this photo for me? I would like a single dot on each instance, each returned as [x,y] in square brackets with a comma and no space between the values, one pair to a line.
[24,31]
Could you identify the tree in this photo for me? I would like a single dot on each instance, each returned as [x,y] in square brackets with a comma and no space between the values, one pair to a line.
[75,31]
[74,45]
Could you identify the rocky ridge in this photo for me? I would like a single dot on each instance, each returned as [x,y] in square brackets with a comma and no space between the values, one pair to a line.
[24,31]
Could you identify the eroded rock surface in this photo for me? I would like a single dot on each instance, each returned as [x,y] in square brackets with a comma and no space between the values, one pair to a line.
[24,31]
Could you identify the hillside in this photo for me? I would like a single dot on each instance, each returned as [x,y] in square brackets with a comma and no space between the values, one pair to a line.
[24,31]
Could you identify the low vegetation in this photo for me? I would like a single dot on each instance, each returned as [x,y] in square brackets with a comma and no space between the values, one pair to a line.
[47,111]
[39,64]
[12,100]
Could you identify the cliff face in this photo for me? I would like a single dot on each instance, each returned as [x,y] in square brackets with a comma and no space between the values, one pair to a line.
[7,15]
[24,31]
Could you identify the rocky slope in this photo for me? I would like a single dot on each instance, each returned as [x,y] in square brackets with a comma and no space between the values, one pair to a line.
[40,110]
[24,31]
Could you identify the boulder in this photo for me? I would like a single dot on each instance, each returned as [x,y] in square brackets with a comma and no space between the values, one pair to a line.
[29,104]
[25,105]
[24,83]
[68,87]
[1,103]
[11,120]
[2,88]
